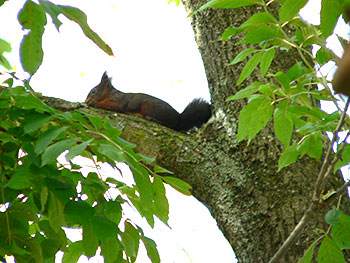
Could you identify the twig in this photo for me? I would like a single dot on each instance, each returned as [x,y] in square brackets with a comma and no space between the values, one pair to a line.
[338,193]
[322,172]
[295,233]
[334,162]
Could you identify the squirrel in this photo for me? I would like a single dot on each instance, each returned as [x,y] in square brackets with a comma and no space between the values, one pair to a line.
[341,79]
[105,96]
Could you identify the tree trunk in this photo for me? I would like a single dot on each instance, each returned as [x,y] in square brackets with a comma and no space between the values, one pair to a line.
[255,207]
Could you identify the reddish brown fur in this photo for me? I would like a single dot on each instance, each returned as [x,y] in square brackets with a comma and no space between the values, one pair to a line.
[341,80]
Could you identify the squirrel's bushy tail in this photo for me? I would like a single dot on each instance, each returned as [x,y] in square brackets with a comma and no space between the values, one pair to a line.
[195,114]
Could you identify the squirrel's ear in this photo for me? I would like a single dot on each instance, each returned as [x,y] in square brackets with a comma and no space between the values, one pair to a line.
[104,77]
[106,81]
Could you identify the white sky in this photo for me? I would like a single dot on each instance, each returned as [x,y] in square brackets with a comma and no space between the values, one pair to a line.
[155,53]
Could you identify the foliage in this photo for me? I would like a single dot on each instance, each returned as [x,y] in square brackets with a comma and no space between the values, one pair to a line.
[32,17]
[41,196]
[292,99]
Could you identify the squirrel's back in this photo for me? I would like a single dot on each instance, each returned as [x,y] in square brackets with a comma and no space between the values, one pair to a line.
[105,96]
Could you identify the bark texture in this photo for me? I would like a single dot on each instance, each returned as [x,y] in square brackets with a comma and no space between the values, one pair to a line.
[255,207]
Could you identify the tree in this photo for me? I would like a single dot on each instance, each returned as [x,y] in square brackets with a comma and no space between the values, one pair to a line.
[256,192]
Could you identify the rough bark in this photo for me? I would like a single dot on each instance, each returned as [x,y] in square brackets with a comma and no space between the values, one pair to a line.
[255,207]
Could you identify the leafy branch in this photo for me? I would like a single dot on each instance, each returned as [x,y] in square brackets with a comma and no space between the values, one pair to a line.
[35,190]
[317,202]
[289,100]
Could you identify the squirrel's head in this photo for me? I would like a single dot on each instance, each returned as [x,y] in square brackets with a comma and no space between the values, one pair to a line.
[100,92]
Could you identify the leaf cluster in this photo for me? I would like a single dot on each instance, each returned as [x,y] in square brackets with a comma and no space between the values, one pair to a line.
[32,17]
[40,196]
[334,240]
[291,99]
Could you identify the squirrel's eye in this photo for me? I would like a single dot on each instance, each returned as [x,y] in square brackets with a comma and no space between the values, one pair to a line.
[93,91]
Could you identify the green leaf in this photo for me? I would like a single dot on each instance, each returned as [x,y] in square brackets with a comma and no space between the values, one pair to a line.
[55,213]
[4,62]
[20,179]
[46,138]
[242,55]
[110,129]
[31,51]
[345,158]
[290,9]
[73,252]
[249,67]
[283,124]
[341,232]
[112,210]
[296,71]
[4,47]
[111,250]
[35,121]
[254,117]
[246,92]
[159,170]
[49,248]
[96,121]
[312,145]
[260,33]
[61,189]
[44,194]
[28,101]
[268,89]
[78,212]
[52,152]
[1,3]
[104,228]
[307,258]
[259,18]
[289,156]
[53,10]
[146,158]
[60,235]
[160,200]
[111,151]
[144,186]
[227,4]
[333,217]
[330,12]
[151,248]
[32,17]
[266,60]
[324,55]
[178,184]
[80,18]
[125,144]
[284,80]
[130,240]
[90,241]
[229,32]
[329,252]
[77,149]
